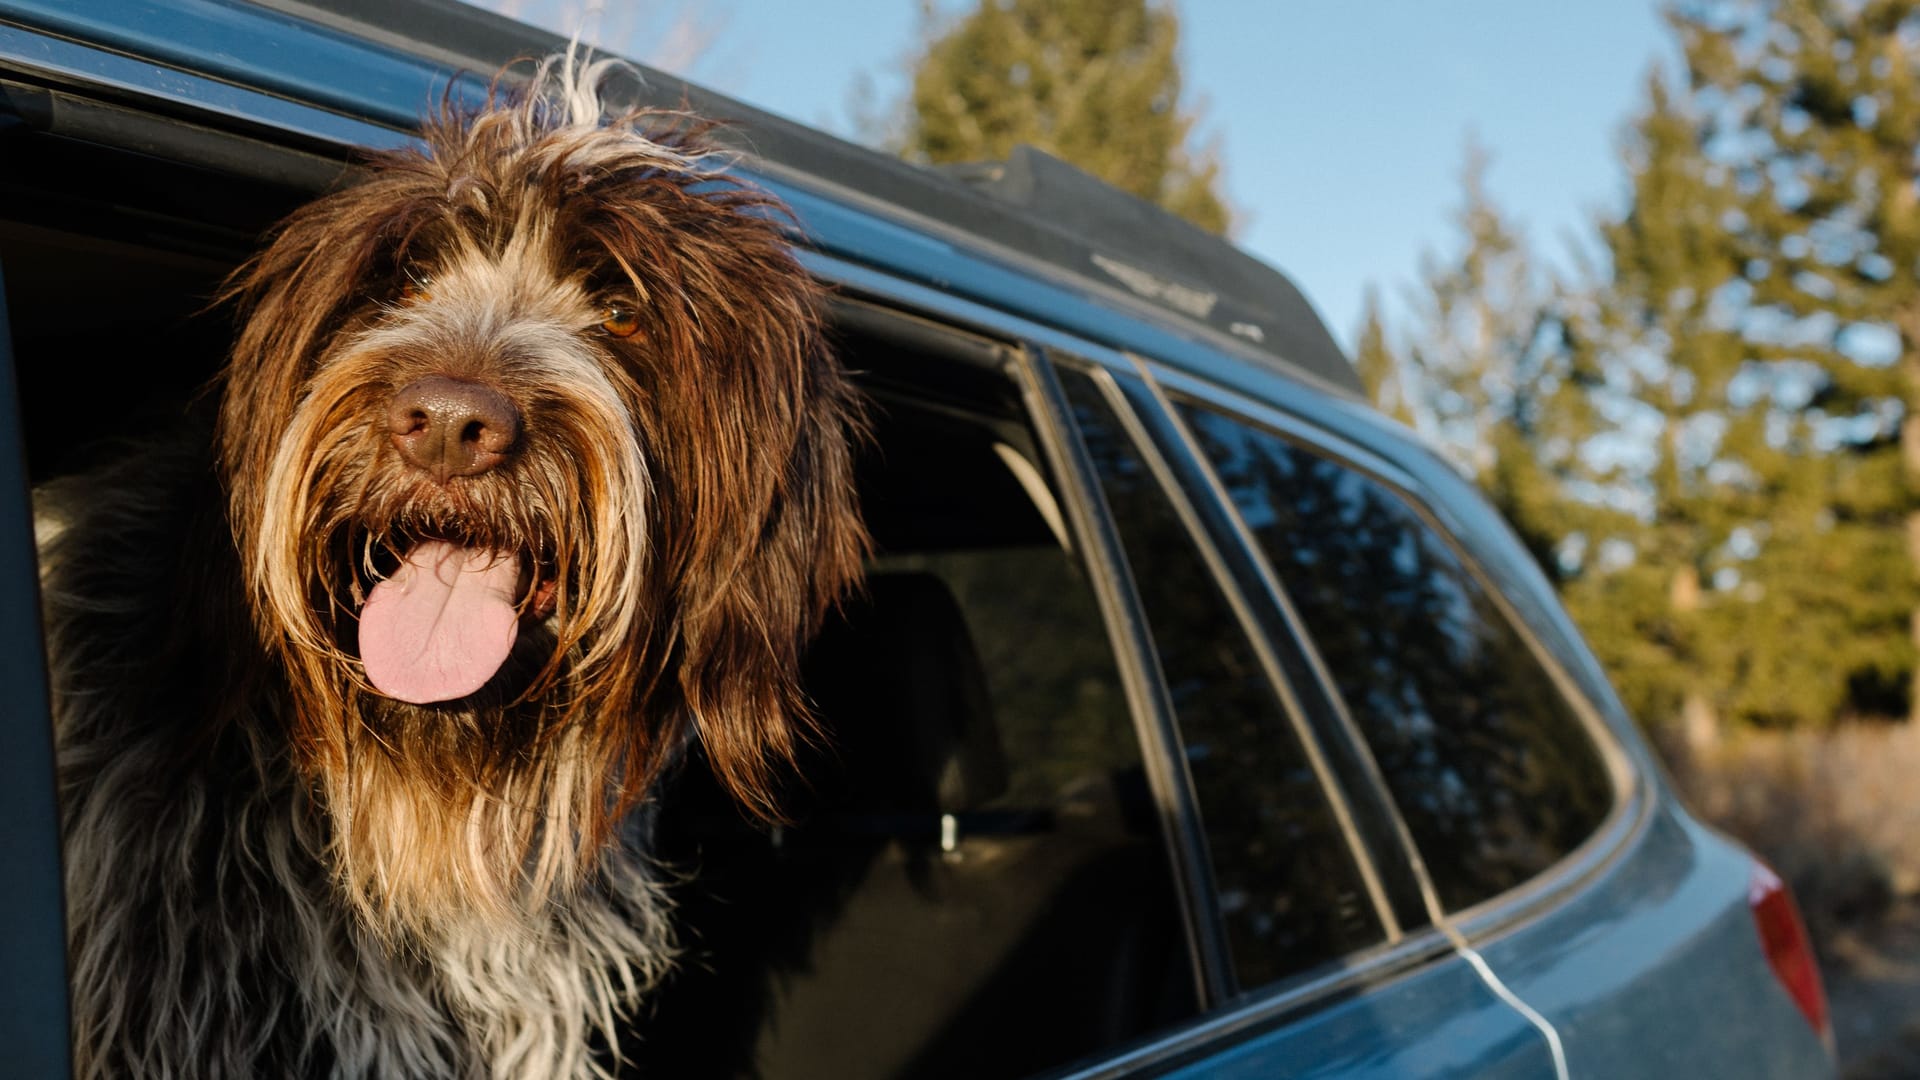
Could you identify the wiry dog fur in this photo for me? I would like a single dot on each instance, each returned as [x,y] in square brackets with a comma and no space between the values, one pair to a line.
[272,868]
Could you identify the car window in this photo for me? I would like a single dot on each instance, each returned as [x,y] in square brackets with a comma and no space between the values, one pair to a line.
[974,883]
[1493,771]
[1289,889]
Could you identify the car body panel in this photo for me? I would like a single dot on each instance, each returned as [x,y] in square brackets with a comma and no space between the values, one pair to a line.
[1437,1022]
[1642,971]
[1645,923]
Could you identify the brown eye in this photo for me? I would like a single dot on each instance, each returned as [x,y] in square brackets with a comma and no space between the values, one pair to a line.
[620,320]
[416,286]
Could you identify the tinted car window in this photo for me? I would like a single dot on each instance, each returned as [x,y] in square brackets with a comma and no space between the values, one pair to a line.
[975,882]
[1289,889]
[1493,771]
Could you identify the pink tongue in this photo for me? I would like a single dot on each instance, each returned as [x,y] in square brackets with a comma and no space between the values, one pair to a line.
[442,624]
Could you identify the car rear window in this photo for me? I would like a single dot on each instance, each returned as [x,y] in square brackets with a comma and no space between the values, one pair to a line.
[1493,771]
[1289,889]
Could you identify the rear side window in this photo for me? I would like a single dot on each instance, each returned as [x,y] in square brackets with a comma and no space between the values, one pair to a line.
[1289,889]
[1493,771]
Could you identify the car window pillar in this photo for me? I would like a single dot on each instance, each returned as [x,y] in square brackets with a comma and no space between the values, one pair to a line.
[33,970]
[1146,693]
[1375,817]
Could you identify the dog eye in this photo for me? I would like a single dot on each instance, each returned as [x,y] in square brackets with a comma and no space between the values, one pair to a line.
[416,287]
[620,320]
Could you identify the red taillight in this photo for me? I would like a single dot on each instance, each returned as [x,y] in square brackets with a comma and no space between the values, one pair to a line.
[1789,951]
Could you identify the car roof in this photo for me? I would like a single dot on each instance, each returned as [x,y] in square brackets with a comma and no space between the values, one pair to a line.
[1032,203]
[1032,211]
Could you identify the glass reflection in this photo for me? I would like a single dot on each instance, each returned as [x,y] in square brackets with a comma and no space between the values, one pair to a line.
[1288,887]
[1489,765]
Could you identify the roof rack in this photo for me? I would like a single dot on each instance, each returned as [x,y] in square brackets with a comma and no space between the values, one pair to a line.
[1032,203]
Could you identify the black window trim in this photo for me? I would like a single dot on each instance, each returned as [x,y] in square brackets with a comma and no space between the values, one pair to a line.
[33,1003]
[1631,808]
[1222,569]
[1382,825]
[873,304]
[1092,527]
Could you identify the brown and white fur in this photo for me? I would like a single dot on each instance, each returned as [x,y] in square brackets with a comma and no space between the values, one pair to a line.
[273,868]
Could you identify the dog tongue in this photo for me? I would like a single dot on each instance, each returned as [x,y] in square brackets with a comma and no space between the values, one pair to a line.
[442,624]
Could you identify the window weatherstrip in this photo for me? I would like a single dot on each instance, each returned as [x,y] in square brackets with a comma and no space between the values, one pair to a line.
[1146,691]
[1263,649]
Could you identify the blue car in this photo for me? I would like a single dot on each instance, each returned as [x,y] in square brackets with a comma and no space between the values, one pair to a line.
[1196,720]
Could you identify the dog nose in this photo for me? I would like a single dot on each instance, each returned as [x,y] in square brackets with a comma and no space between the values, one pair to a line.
[453,427]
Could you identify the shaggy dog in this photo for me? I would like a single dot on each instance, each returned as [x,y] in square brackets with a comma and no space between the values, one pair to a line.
[529,467]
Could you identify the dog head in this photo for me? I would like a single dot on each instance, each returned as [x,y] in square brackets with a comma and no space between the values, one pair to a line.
[536,464]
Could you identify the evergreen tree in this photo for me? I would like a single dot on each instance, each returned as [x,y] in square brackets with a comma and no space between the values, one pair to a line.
[1812,110]
[1378,365]
[1758,322]
[1093,82]
[1487,382]
[1673,463]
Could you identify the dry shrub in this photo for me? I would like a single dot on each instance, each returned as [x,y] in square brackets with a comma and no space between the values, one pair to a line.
[1836,813]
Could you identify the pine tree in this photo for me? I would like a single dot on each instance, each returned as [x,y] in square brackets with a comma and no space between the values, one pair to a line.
[1093,82]
[1484,376]
[1812,110]
[1379,366]
[1672,465]
[1759,319]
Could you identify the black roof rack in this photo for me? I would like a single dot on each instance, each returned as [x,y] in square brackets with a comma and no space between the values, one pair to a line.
[1033,204]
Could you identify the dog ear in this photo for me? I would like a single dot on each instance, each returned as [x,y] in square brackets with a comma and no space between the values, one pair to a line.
[757,607]
[754,437]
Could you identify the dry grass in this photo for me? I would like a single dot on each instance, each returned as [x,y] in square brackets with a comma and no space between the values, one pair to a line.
[1837,814]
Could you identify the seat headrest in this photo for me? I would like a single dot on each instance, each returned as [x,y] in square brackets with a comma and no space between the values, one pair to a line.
[902,692]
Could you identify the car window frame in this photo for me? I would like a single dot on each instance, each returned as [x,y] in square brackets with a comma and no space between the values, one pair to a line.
[1381,462]
[1122,393]
[1225,1017]
[34,1020]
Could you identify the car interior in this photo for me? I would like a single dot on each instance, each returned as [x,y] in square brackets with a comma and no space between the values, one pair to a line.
[972,881]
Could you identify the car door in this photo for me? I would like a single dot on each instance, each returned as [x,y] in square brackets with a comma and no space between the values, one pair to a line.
[1366,986]
[33,974]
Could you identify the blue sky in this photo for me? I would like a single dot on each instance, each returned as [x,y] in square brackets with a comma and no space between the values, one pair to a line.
[1342,124]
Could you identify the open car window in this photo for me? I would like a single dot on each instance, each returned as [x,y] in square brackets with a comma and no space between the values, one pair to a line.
[974,882]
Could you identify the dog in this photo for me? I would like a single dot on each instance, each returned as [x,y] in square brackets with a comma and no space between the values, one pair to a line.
[530,465]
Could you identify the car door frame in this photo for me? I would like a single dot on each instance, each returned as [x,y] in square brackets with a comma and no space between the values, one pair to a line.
[33,953]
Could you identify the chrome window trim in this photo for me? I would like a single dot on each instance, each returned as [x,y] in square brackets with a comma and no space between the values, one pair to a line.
[1631,811]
